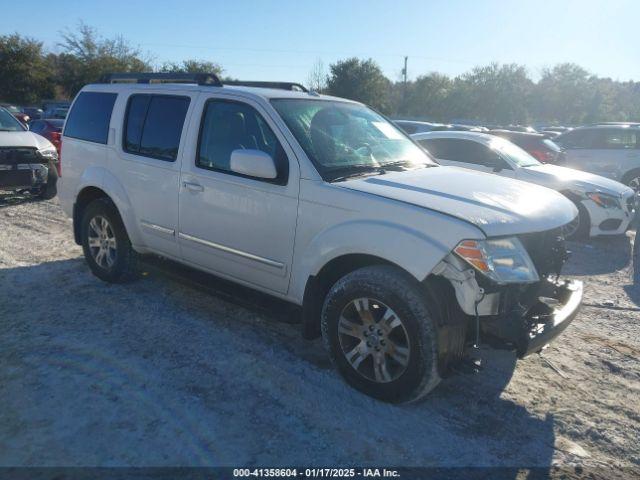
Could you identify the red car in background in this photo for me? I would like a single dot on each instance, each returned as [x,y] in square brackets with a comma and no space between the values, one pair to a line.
[537,145]
[51,129]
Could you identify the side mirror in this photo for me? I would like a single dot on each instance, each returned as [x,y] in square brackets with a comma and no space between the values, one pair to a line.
[254,163]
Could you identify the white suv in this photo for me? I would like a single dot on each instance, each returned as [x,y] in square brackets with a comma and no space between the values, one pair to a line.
[400,264]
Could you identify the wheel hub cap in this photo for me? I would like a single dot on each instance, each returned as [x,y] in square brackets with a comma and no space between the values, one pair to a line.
[373,340]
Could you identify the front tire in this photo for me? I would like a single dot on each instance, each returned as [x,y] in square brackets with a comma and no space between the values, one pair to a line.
[579,228]
[49,189]
[106,245]
[381,335]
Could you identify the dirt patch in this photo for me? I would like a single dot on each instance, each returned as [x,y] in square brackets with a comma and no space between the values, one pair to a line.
[161,373]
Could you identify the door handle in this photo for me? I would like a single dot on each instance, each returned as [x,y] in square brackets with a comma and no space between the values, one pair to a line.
[193,187]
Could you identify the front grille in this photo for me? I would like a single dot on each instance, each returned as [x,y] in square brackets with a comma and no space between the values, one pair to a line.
[18,155]
[546,249]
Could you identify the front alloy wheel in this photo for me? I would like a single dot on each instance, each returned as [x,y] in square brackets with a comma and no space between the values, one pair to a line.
[378,326]
[374,340]
[635,183]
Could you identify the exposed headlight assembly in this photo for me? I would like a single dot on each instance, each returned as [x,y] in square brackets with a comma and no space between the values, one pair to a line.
[49,154]
[604,200]
[503,260]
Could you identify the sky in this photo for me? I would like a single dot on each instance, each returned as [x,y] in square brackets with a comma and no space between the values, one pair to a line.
[283,39]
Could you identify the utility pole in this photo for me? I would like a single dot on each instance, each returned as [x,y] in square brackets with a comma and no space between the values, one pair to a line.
[404,86]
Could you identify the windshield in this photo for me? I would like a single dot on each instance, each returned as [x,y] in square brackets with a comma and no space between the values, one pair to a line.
[513,153]
[342,138]
[8,122]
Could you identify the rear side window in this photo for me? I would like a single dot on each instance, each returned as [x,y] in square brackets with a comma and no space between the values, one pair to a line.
[153,125]
[90,117]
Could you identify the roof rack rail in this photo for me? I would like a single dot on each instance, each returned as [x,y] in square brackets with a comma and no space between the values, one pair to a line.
[296,87]
[210,79]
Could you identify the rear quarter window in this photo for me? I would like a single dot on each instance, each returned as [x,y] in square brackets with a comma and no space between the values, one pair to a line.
[153,125]
[90,117]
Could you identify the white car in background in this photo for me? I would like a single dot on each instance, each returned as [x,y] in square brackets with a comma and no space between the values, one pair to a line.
[606,207]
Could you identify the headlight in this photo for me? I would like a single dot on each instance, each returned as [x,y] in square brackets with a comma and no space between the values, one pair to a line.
[49,154]
[503,260]
[604,200]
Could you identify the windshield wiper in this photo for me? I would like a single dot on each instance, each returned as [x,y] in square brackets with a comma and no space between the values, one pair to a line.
[359,171]
[405,164]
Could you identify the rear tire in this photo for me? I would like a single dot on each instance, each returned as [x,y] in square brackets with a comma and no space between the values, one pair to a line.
[381,335]
[106,245]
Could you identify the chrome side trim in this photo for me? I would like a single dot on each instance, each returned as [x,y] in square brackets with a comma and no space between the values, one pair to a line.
[157,228]
[223,248]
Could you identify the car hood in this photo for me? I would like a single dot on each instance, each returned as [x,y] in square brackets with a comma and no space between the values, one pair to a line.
[563,178]
[496,205]
[23,139]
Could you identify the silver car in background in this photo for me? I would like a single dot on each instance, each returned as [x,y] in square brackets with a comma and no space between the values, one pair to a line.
[610,150]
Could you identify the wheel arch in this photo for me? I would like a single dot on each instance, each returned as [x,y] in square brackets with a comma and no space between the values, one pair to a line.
[319,284]
[635,172]
[100,183]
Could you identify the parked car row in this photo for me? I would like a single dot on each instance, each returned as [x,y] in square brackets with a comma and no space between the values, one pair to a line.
[609,149]
[28,161]
[605,206]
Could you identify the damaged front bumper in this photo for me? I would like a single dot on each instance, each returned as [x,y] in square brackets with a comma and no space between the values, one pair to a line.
[529,330]
[23,176]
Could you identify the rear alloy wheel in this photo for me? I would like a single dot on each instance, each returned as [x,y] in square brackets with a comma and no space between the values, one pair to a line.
[102,242]
[380,333]
[105,243]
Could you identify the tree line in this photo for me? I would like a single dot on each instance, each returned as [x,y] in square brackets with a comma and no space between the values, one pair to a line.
[492,94]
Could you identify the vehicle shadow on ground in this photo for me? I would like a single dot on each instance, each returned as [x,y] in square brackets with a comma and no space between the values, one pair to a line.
[181,368]
[9,199]
[616,249]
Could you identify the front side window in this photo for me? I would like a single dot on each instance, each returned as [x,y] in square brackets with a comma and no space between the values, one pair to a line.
[230,125]
[9,123]
[90,117]
[153,125]
[341,138]
[616,139]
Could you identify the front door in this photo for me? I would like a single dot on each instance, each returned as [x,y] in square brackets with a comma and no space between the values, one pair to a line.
[237,226]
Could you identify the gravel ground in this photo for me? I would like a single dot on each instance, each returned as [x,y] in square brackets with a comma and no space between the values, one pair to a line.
[180,369]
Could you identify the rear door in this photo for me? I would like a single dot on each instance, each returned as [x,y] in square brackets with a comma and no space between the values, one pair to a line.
[147,162]
[240,227]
